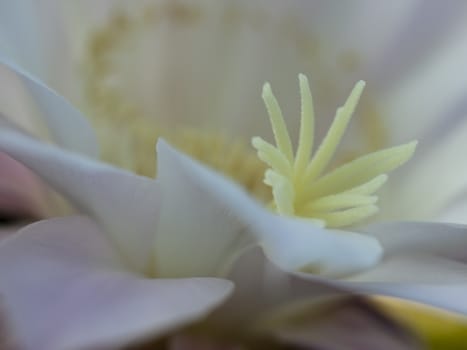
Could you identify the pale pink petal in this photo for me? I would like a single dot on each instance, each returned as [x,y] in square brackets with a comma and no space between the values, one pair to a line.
[7,230]
[272,289]
[184,342]
[124,204]
[21,193]
[209,220]
[66,125]
[423,262]
[64,286]
[303,312]
[348,324]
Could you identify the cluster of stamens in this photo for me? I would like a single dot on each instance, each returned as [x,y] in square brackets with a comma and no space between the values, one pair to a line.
[342,197]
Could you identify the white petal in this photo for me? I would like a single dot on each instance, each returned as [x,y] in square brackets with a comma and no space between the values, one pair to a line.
[413,37]
[424,262]
[67,126]
[124,204]
[64,287]
[455,211]
[40,38]
[208,219]
[437,170]
[408,238]
[423,100]
[415,269]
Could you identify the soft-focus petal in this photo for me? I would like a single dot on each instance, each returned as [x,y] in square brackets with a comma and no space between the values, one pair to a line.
[435,171]
[419,30]
[348,324]
[124,204]
[7,230]
[423,99]
[290,307]
[428,238]
[38,37]
[21,194]
[272,289]
[455,211]
[77,292]
[67,126]
[204,212]
[424,262]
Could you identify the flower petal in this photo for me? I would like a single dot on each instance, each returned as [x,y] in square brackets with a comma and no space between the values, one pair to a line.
[455,211]
[419,253]
[424,262]
[350,324]
[422,176]
[433,84]
[21,193]
[64,287]
[124,204]
[209,220]
[289,307]
[35,36]
[67,126]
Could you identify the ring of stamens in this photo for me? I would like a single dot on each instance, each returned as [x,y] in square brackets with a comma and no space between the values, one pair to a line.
[342,197]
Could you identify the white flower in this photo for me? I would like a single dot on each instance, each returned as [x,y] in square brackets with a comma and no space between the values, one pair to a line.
[204,62]
[147,244]
[125,273]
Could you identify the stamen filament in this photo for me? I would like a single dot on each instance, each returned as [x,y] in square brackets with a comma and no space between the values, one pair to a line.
[347,217]
[307,121]
[279,128]
[339,201]
[328,147]
[342,197]
[361,170]
[272,156]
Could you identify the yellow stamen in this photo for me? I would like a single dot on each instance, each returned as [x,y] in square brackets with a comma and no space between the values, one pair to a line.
[342,197]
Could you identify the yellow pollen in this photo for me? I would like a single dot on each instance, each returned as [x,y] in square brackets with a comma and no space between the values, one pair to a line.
[130,144]
[300,186]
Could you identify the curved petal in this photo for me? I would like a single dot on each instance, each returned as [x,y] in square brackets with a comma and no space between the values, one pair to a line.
[421,102]
[403,199]
[350,324]
[67,126]
[421,29]
[271,302]
[35,35]
[7,230]
[210,220]
[124,204]
[64,287]
[455,211]
[423,262]
[21,193]
[415,238]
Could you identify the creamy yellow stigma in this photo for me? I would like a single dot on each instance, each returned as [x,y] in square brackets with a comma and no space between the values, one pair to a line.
[300,186]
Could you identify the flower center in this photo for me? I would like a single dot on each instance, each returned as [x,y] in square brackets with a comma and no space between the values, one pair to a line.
[143,77]
[131,143]
[339,198]
[122,94]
